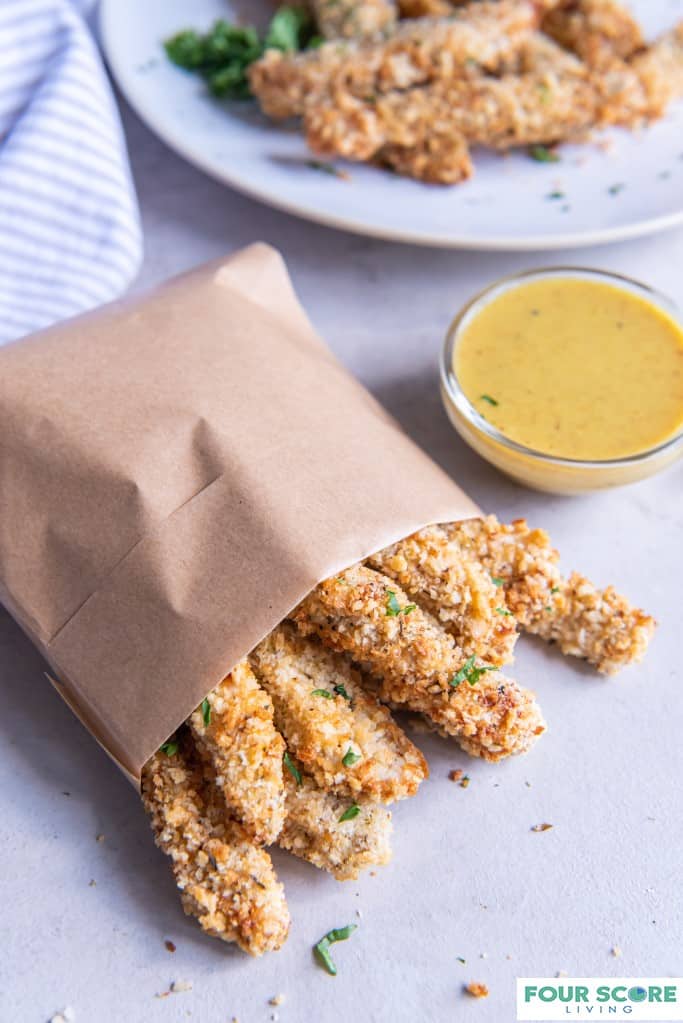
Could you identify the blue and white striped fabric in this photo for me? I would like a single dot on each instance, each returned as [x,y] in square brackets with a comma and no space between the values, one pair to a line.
[69,227]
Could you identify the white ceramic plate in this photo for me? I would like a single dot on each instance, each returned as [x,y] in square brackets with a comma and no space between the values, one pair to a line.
[629,187]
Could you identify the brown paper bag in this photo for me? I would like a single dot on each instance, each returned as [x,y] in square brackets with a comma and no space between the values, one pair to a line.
[176,473]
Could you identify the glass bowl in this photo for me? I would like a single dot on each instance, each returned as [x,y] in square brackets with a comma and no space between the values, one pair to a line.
[535,468]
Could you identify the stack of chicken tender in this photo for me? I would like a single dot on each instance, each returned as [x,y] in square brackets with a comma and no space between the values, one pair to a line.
[297,746]
[412,86]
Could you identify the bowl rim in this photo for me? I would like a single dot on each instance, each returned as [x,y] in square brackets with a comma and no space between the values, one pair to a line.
[451,385]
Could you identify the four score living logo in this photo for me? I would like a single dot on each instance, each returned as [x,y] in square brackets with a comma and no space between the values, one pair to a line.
[602,998]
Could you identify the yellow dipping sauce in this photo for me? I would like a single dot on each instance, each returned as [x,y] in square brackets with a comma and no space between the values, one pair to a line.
[574,367]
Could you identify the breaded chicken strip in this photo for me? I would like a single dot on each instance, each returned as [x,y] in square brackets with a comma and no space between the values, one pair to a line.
[353,19]
[418,665]
[439,159]
[323,712]
[234,727]
[640,90]
[541,106]
[484,34]
[599,625]
[597,31]
[226,881]
[314,831]
[442,577]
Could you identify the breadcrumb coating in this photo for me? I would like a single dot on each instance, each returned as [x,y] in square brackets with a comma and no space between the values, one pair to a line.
[226,881]
[454,587]
[523,558]
[353,19]
[438,160]
[541,106]
[320,730]
[313,830]
[416,663]
[425,8]
[597,31]
[484,34]
[246,752]
[598,625]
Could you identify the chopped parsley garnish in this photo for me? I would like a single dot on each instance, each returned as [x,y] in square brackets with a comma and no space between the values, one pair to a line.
[223,54]
[322,949]
[497,581]
[543,154]
[337,690]
[489,399]
[326,168]
[470,672]
[206,713]
[323,692]
[548,607]
[464,782]
[394,608]
[616,189]
[348,815]
[461,960]
[555,589]
[555,195]
[292,768]
[341,691]
[350,758]
[170,748]
[504,611]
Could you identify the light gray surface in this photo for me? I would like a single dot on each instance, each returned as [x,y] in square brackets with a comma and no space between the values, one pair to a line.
[468,878]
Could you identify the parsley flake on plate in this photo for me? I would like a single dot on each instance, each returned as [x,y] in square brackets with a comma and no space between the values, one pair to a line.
[322,949]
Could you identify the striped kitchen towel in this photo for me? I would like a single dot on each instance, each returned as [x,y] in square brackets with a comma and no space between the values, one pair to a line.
[70,234]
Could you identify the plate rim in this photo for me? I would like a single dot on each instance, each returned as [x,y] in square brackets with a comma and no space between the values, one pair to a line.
[504,243]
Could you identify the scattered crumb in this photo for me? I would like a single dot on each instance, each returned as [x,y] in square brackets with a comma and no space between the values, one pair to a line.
[542,827]
[169,945]
[616,952]
[65,1016]
[461,960]
[99,838]
[274,1016]
[180,986]
[92,883]
[65,793]
[477,990]
[373,873]
[359,914]
[455,775]
[483,955]
[508,957]
[528,784]
[561,973]
[276,1000]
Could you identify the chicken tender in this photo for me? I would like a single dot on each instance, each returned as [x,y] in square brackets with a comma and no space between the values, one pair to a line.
[484,35]
[598,625]
[418,665]
[314,831]
[323,712]
[353,19]
[597,31]
[226,881]
[234,727]
[438,160]
[539,107]
[445,580]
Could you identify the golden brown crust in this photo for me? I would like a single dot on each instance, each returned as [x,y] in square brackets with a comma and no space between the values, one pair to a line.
[416,663]
[246,752]
[485,33]
[226,881]
[353,19]
[314,832]
[597,31]
[321,730]
[445,580]
[598,625]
